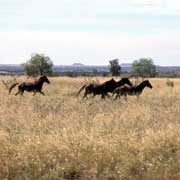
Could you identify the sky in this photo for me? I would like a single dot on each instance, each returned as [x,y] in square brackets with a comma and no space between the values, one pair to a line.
[90,32]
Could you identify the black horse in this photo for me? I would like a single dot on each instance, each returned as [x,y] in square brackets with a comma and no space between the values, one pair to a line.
[104,88]
[132,90]
[35,86]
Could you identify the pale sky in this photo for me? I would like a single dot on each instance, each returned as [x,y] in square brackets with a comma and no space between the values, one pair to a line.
[91,32]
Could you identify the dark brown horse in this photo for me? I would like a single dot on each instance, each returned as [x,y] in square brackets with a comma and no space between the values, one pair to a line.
[131,90]
[104,88]
[35,86]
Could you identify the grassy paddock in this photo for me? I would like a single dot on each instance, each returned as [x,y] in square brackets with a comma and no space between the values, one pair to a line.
[60,136]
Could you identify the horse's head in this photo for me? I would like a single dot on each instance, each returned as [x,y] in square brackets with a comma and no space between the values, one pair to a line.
[45,79]
[148,84]
[126,81]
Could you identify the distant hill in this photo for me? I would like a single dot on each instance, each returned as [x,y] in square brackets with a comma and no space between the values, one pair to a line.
[126,65]
[77,64]
[11,69]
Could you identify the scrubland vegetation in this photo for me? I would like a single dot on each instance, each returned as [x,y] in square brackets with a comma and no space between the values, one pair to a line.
[61,136]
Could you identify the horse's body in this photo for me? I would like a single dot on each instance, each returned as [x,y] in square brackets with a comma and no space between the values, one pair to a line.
[35,86]
[104,88]
[132,90]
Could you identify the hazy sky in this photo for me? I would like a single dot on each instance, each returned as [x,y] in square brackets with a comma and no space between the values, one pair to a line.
[90,32]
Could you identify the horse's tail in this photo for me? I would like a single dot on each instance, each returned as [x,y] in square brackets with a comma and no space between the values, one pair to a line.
[81,89]
[12,86]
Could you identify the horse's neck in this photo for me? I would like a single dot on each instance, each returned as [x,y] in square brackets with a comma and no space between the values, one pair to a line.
[141,87]
[121,83]
[40,83]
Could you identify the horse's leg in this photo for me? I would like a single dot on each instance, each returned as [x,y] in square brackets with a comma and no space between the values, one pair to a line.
[21,91]
[117,95]
[103,95]
[125,97]
[34,93]
[17,93]
[85,95]
[42,93]
[106,95]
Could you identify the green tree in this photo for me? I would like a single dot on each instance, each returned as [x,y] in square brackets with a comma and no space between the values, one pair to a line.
[115,68]
[38,64]
[144,67]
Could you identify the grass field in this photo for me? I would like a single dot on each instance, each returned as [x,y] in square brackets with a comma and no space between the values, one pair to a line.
[61,136]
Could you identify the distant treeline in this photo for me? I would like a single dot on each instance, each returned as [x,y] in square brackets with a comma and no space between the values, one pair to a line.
[74,71]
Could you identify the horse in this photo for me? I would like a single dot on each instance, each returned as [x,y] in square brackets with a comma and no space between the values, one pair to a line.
[89,89]
[103,89]
[132,90]
[35,86]
[96,89]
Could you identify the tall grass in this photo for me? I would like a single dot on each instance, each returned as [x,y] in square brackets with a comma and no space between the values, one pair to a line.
[61,136]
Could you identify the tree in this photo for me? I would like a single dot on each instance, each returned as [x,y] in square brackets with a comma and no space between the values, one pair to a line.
[144,67]
[38,65]
[115,68]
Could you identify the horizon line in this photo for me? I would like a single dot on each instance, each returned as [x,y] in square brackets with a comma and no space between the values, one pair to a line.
[8,64]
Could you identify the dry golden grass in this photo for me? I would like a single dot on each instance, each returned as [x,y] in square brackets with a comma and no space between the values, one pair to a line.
[60,136]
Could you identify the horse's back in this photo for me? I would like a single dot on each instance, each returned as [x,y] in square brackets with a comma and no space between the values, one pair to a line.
[29,86]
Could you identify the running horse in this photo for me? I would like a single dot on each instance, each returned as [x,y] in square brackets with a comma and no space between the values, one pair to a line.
[35,86]
[104,88]
[132,90]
